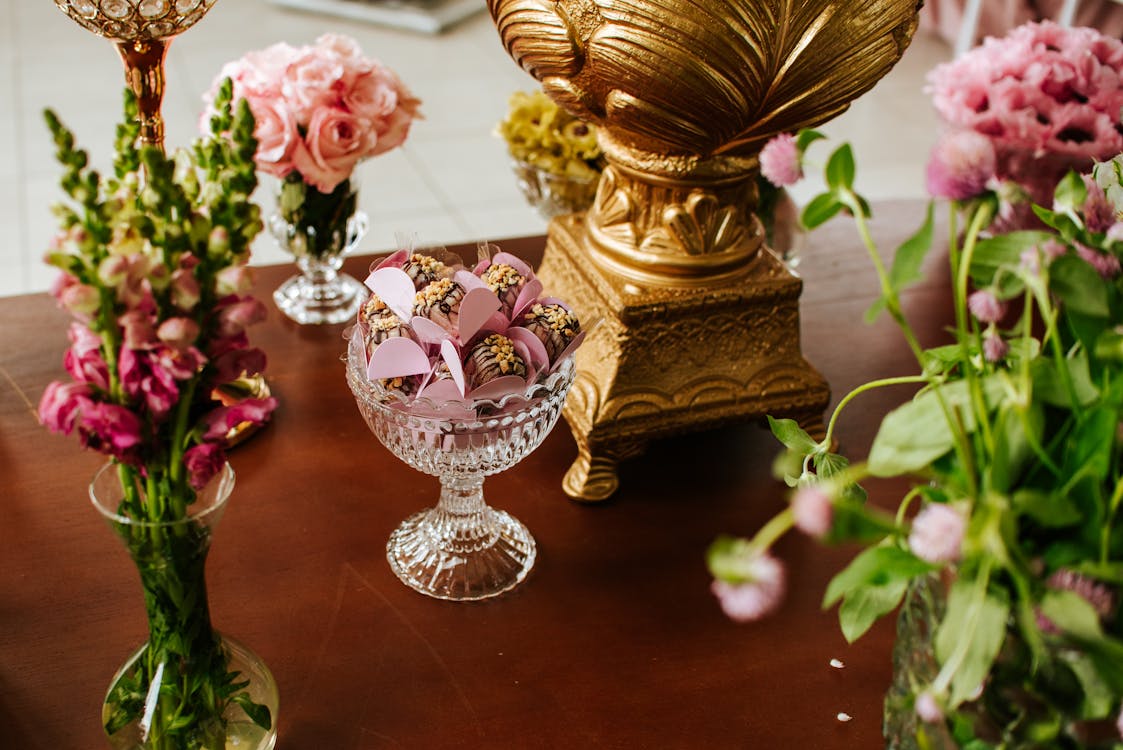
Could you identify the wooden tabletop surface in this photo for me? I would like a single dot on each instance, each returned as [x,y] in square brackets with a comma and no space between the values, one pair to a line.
[613,641]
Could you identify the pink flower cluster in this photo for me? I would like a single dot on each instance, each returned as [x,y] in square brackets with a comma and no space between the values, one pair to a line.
[162,344]
[320,108]
[1047,97]
[436,328]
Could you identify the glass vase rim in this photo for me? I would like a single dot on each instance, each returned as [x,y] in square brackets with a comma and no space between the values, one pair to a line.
[222,485]
[376,396]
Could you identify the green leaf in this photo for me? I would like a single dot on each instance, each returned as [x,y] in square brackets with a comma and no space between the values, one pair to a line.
[974,620]
[863,606]
[1048,387]
[917,433]
[1071,192]
[1014,430]
[788,432]
[806,137]
[1099,699]
[875,566]
[258,713]
[1002,251]
[1048,510]
[1071,613]
[1079,286]
[840,168]
[907,262]
[820,209]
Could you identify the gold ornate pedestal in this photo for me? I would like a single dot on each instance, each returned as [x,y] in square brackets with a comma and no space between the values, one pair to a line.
[666,360]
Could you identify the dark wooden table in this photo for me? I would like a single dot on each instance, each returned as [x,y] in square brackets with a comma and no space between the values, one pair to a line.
[613,641]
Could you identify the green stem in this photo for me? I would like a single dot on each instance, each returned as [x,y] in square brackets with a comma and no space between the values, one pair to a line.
[862,389]
[773,530]
[978,218]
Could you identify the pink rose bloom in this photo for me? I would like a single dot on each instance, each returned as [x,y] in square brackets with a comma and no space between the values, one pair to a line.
[347,51]
[62,404]
[812,511]
[393,130]
[373,96]
[202,462]
[220,421]
[960,166]
[277,136]
[780,161]
[985,306]
[1106,264]
[758,595]
[336,140]
[311,82]
[937,533]
[110,429]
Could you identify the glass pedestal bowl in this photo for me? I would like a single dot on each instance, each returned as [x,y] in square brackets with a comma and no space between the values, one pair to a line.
[461,549]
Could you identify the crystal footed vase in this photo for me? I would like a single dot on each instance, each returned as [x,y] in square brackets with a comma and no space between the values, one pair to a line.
[552,194]
[319,229]
[187,687]
[461,549]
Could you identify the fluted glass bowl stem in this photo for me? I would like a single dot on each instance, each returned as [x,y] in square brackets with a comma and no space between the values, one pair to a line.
[460,549]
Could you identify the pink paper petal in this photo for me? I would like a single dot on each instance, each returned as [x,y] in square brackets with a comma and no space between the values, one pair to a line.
[524,354]
[428,331]
[497,323]
[528,295]
[537,351]
[451,356]
[394,287]
[569,349]
[393,260]
[397,357]
[475,309]
[468,280]
[500,387]
[514,262]
[439,391]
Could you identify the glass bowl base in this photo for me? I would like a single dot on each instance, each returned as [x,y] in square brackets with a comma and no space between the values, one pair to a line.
[311,303]
[461,564]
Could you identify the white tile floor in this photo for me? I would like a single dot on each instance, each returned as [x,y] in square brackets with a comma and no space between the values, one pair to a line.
[450,183]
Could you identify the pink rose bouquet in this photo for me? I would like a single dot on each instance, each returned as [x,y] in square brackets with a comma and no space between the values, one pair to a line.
[1047,98]
[320,110]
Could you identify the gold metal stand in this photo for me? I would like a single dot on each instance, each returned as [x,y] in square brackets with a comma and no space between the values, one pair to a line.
[663,361]
[700,320]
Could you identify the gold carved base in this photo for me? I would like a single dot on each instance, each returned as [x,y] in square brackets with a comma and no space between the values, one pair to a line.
[664,361]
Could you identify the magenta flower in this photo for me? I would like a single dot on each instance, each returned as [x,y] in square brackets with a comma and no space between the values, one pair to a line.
[202,462]
[1106,264]
[83,360]
[62,404]
[781,161]
[178,333]
[239,313]
[757,593]
[961,164]
[995,348]
[937,533]
[235,363]
[220,421]
[184,289]
[812,510]
[985,306]
[144,377]
[110,429]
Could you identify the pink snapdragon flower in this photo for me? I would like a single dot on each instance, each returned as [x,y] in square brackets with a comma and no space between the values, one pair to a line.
[961,164]
[83,360]
[781,160]
[218,422]
[62,404]
[937,533]
[202,462]
[143,377]
[812,511]
[758,590]
[111,429]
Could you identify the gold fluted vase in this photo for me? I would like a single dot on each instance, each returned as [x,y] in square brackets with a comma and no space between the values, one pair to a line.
[700,320]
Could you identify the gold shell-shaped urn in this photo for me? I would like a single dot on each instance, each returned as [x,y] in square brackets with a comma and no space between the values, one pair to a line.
[684,94]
